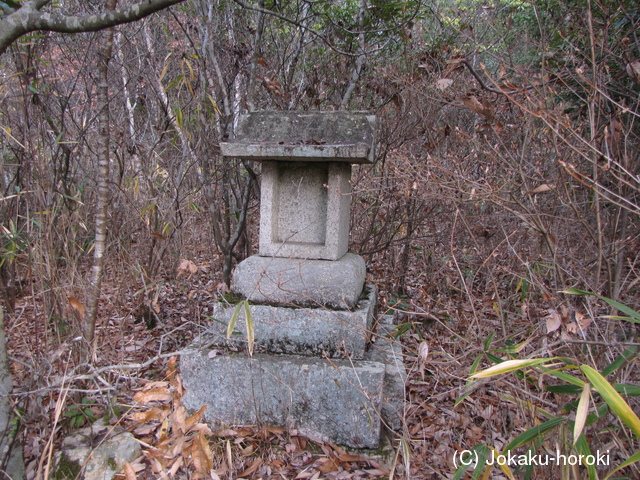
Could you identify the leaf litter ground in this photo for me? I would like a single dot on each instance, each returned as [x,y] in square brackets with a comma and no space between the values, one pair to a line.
[135,382]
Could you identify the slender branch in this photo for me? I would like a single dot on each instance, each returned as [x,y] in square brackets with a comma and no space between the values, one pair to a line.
[243,214]
[503,90]
[604,343]
[301,25]
[29,18]
[95,373]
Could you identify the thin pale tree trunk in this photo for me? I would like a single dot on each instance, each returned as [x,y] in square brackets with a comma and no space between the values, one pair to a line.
[11,460]
[89,324]
[359,62]
[257,47]
[130,108]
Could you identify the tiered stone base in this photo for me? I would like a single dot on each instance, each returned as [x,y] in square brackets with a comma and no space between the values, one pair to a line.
[294,281]
[339,400]
[295,330]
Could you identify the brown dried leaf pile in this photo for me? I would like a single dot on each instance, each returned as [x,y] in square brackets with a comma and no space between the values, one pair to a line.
[176,445]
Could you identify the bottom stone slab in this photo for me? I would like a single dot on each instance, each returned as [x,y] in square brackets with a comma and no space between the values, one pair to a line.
[387,350]
[334,400]
[347,402]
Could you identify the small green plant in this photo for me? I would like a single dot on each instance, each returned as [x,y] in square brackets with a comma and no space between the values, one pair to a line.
[593,397]
[248,317]
[80,413]
[113,410]
[13,242]
[399,303]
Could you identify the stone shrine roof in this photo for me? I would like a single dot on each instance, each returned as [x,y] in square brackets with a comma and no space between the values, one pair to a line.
[304,136]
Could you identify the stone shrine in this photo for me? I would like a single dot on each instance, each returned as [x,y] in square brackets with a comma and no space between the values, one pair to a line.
[322,361]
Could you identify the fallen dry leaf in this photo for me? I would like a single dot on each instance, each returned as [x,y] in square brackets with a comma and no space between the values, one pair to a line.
[633,70]
[154,414]
[346,457]
[78,306]
[444,83]
[202,456]
[540,189]
[252,468]
[174,468]
[152,385]
[554,321]
[473,104]
[580,325]
[275,430]
[195,418]
[178,419]
[227,432]
[484,108]
[327,465]
[153,395]
[583,321]
[423,354]
[187,267]
[129,472]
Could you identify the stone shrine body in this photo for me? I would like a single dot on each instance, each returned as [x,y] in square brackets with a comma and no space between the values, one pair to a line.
[314,366]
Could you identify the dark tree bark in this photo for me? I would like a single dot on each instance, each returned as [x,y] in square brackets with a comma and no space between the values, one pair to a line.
[29,18]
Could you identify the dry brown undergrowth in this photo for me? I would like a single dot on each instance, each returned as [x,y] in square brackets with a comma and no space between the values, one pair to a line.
[454,326]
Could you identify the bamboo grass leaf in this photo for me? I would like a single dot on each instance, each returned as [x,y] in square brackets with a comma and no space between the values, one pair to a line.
[631,460]
[581,412]
[582,447]
[250,330]
[618,362]
[634,316]
[233,320]
[509,366]
[617,404]
[533,433]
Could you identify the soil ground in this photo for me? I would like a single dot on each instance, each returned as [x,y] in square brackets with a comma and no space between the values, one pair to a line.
[442,338]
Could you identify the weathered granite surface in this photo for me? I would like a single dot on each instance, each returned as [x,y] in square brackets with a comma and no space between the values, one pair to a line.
[304,210]
[297,330]
[316,365]
[310,136]
[316,283]
[388,351]
[10,448]
[335,400]
[98,452]
[343,401]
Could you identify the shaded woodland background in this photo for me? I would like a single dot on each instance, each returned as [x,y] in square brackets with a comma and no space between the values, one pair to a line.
[507,173]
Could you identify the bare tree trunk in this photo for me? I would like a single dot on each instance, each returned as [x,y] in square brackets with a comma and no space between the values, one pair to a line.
[359,62]
[290,69]
[89,324]
[11,461]
[257,41]
[130,109]
[228,197]
[593,107]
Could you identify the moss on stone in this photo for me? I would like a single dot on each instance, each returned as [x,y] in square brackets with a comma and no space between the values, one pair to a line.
[232,298]
[111,462]
[67,469]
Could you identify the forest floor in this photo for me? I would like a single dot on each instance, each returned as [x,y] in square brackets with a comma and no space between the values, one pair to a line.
[57,395]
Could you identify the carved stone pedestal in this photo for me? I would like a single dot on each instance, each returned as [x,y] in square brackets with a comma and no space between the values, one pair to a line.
[314,365]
